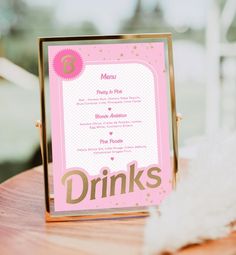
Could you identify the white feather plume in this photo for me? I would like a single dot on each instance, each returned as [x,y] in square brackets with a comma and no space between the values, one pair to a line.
[204,203]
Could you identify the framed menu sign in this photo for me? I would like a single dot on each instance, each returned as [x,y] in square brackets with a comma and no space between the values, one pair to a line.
[112,123]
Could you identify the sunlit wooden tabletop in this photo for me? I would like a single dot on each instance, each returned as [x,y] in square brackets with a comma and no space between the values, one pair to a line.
[24,231]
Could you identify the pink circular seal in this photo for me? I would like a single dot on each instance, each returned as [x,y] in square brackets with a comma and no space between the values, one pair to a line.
[68,64]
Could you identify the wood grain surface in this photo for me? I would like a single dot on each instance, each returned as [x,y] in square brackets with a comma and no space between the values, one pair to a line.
[24,231]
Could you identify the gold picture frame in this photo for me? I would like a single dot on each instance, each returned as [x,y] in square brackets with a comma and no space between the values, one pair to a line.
[106,214]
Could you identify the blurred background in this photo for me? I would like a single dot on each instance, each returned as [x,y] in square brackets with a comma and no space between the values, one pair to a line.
[204,33]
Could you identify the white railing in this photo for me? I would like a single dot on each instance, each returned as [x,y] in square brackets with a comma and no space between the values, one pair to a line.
[218,49]
[17,75]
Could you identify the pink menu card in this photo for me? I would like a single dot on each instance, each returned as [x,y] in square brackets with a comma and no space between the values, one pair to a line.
[109,125]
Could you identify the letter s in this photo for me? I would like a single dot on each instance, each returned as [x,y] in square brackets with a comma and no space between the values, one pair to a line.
[84,178]
[154,177]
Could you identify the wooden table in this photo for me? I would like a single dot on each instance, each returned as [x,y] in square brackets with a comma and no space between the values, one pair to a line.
[24,231]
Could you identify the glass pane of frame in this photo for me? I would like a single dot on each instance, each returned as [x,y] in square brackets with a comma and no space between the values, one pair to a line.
[109,133]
